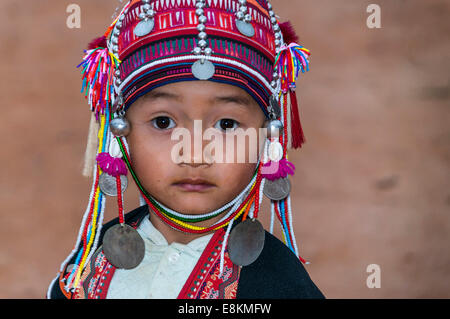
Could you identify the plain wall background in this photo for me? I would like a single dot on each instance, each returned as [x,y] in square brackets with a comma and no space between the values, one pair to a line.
[373,180]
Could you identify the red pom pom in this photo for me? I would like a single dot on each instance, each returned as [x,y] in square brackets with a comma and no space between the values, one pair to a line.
[289,35]
[98,43]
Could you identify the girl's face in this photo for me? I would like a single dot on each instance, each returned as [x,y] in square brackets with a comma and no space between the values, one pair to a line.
[195,185]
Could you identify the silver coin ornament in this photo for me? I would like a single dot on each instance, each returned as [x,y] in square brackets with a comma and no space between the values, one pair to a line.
[144,27]
[108,184]
[245,28]
[278,189]
[246,242]
[123,246]
[120,126]
[203,70]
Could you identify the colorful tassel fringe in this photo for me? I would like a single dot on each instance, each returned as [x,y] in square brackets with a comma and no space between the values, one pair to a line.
[291,60]
[98,78]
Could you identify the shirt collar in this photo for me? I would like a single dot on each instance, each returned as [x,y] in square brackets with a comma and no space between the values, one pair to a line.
[157,238]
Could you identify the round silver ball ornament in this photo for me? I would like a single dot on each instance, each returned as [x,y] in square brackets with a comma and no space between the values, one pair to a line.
[120,126]
[201,27]
[197,50]
[274,129]
[208,51]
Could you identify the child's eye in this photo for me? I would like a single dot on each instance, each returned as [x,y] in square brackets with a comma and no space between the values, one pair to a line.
[226,124]
[163,123]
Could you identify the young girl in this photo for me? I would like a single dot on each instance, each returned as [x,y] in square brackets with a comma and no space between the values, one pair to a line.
[190,69]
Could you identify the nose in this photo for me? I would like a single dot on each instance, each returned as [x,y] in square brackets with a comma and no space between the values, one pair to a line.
[193,153]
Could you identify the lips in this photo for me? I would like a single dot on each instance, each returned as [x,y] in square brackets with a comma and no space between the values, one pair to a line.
[194,185]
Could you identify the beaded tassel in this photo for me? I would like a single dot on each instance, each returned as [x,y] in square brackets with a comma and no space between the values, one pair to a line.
[89,233]
[282,210]
[99,78]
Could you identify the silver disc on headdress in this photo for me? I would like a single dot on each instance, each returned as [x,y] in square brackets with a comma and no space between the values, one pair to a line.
[245,28]
[246,242]
[108,184]
[278,189]
[123,246]
[144,27]
[203,69]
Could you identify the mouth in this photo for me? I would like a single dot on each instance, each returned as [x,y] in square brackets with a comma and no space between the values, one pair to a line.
[194,185]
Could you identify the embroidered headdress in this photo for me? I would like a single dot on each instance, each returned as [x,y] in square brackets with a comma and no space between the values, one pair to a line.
[155,42]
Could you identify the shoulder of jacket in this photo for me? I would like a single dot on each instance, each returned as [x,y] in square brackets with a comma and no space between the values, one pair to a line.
[277,273]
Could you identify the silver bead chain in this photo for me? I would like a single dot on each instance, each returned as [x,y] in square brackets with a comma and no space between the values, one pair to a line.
[147,11]
[242,13]
[278,43]
[202,46]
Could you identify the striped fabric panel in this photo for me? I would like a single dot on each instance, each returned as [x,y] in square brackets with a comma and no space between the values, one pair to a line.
[180,46]
[176,72]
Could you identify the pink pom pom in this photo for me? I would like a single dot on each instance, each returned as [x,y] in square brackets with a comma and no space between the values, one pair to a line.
[276,170]
[111,165]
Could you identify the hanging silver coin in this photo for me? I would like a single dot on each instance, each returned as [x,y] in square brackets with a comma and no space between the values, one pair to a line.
[144,27]
[203,70]
[245,28]
[108,186]
[278,189]
[246,242]
[123,246]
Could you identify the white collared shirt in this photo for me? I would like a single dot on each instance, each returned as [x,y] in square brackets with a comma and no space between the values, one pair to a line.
[163,271]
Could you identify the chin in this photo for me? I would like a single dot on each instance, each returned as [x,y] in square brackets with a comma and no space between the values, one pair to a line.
[195,204]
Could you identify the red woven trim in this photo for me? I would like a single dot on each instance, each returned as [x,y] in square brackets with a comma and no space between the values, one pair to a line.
[104,280]
[96,283]
[206,281]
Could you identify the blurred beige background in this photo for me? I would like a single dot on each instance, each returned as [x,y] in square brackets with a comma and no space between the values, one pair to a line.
[373,180]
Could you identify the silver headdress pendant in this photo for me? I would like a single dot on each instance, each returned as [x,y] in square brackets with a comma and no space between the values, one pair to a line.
[203,69]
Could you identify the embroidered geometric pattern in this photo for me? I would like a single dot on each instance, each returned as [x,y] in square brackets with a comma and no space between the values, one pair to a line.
[205,281]
[174,36]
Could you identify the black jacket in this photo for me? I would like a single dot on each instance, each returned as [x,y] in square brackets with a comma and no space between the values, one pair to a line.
[276,274]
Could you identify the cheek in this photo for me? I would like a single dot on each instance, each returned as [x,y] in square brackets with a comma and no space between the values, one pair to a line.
[234,178]
[149,154]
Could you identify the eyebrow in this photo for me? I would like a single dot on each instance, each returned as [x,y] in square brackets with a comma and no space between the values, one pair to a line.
[237,99]
[153,95]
